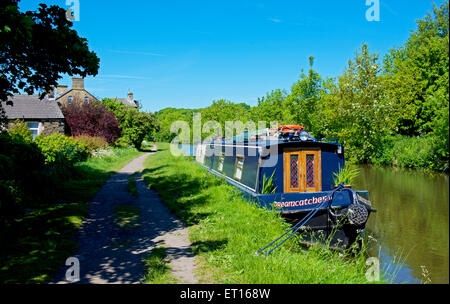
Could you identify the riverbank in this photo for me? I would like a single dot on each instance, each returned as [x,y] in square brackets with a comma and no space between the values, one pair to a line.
[39,242]
[226,231]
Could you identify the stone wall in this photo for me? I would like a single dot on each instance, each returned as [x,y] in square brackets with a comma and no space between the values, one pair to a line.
[46,127]
[52,127]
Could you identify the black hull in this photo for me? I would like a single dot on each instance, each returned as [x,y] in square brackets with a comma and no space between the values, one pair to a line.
[323,229]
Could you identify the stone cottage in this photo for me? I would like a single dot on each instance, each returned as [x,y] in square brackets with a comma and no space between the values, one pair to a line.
[65,96]
[41,116]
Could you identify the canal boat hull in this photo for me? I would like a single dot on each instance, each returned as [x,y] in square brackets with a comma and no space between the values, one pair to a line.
[295,194]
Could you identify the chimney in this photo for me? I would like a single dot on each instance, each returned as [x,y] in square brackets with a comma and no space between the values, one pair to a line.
[61,89]
[130,97]
[77,83]
[51,93]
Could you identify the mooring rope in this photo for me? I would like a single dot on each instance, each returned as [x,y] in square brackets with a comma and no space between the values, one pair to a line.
[302,222]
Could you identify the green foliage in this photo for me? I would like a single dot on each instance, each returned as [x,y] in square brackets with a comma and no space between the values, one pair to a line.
[411,152]
[271,107]
[92,143]
[61,151]
[268,186]
[221,111]
[135,125]
[21,176]
[165,119]
[39,46]
[131,187]
[45,233]
[303,103]
[157,268]
[19,130]
[345,176]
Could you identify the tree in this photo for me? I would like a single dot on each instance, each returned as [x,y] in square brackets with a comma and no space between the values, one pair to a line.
[222,111]
[36,47]
[135,125]
[416,75]
[355,107]
[91,118]
[167,116]
[270,107]
[302,103]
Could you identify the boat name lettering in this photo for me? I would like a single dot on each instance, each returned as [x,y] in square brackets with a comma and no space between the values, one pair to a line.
[305,202]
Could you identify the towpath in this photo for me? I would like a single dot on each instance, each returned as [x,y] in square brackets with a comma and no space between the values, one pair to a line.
[111,254]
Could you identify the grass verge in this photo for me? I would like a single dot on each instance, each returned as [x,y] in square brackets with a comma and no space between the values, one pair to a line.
[39,242]
[127,216]
[226,231]
[132,185]
[158,270]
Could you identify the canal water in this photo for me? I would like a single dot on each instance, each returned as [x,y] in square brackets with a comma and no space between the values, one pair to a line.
[411,225]
[409,233]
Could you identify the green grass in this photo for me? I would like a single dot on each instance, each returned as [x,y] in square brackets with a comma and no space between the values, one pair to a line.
[38,243]
[226,231]
[132,185]
[127,216]
[158,270]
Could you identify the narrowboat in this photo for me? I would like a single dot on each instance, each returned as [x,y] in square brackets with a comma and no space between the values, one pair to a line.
[288,171]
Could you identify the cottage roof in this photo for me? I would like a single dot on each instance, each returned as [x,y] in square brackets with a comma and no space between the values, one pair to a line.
[126,101]
[31,107]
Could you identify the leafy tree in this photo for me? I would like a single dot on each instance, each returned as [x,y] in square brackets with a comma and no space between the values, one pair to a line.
[302,101]
[135,125]
[167,116]
[356,107]
[222,111]
[416,78]
[36,47]
[270,107]
[302,104]
[416,75]
[91,118]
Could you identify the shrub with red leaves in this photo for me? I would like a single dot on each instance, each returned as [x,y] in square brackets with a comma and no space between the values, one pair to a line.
[91,118]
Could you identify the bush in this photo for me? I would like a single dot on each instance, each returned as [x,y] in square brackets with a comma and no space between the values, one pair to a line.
[20,131]
[408,152]
[92,143]
[21,167]
[61,151]
[135,125]
[93,119]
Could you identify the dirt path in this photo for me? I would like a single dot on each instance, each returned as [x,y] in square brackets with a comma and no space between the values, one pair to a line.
[111,254]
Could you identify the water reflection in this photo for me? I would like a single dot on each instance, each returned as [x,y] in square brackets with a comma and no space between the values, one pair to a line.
[412,220]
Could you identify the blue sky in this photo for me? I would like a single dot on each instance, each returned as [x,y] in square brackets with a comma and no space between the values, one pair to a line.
[185,54]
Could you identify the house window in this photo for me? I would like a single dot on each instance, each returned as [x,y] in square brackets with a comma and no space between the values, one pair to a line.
[69,99]
[34,128]
[238,167]
[86,99]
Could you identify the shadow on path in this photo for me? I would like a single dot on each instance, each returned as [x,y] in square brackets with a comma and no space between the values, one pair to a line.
[111,254]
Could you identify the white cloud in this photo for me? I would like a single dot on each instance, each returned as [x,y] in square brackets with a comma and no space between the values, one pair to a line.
[274,20]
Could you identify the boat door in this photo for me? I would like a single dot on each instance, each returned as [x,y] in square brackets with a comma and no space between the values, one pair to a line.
[302,170]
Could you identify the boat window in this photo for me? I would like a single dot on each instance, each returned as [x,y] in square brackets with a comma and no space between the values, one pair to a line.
[309,170]
[238,167]
[220,162]
[294,170]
